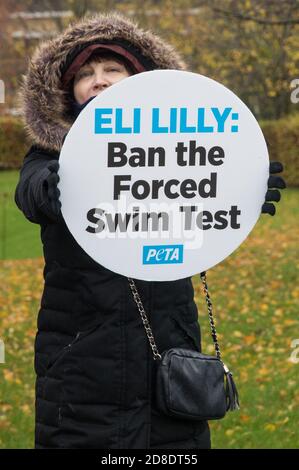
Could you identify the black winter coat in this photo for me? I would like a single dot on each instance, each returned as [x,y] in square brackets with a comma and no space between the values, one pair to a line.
[95,370]
[95,373]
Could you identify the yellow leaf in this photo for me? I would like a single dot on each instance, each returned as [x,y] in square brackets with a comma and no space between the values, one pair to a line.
[270,427]
[249,339]
[238,334]
[263,371]
[288,322]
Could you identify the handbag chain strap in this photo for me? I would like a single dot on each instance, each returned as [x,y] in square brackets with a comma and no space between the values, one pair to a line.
[148,329]
[210,312]
[145,321]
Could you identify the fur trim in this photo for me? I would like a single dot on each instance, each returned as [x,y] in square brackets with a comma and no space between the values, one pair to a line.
[42,100]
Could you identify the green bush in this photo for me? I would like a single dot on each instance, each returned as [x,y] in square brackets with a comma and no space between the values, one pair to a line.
[13,142]
[282,138]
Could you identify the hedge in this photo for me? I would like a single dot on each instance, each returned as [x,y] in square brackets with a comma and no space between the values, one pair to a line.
[13,143]
[282,138]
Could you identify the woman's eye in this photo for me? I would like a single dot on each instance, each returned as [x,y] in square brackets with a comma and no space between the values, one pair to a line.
[84,74]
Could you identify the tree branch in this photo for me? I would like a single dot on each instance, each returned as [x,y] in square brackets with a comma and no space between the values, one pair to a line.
[242,17]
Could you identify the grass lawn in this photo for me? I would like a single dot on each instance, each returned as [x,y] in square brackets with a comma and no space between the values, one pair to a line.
[255,293]
[19,238]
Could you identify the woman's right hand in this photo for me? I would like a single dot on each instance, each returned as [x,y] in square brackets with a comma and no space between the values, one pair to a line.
[50,184]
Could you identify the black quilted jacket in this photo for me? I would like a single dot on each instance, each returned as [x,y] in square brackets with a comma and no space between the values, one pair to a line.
[95,373]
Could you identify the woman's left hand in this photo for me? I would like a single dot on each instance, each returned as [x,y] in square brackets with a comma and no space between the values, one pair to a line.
[273,182]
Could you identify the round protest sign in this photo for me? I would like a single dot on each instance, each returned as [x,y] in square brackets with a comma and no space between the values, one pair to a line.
[163,175]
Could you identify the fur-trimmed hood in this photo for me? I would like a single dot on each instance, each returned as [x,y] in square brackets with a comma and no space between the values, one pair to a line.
[42,99]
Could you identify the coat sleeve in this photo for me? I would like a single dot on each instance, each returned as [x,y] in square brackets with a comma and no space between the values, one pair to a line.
[30,193]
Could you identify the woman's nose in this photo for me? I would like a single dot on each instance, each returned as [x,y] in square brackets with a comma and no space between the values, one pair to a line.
[100,82]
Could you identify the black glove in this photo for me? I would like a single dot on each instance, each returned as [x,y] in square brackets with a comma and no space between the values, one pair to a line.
[52,205]
[273,182]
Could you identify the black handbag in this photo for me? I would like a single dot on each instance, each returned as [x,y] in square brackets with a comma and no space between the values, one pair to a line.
[189,384]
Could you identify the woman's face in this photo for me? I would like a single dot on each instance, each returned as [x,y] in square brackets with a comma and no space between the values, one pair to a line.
[91,79]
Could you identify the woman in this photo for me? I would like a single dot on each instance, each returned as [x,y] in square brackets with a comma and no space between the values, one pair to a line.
[94,366]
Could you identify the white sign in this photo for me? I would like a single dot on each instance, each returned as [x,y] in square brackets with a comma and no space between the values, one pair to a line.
[163,175]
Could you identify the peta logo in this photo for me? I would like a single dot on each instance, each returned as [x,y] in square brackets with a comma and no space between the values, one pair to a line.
[163,254]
